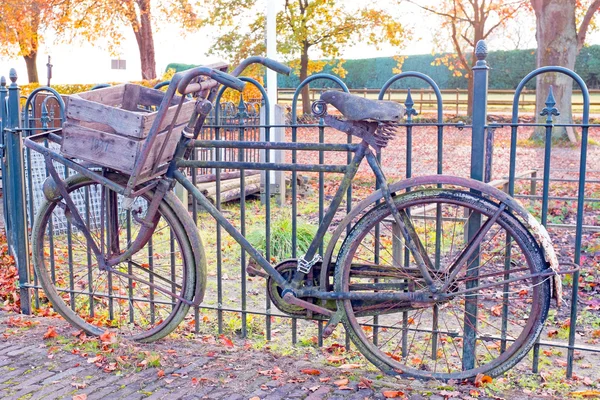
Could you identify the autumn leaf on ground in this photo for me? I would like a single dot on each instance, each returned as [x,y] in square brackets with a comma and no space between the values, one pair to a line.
[341,382]
[482,379]
[80,397]
[226,341]
[108,337]
[392,394]
[311,371]
[50,333]
[350,366]
[160,373]
[586,393]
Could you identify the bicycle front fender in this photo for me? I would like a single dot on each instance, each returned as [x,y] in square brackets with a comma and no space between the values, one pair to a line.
[537,230]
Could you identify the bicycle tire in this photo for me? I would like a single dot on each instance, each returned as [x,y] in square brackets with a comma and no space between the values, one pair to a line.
[428,341]
[96,301]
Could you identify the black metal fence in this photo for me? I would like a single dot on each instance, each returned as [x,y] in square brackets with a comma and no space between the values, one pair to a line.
[559,186]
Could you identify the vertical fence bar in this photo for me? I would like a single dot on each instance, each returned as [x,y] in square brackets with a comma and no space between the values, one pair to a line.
[3,116]
[15,189]
[480,85]
[549,111]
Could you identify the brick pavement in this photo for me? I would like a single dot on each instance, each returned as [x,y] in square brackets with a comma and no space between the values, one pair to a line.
[32,367]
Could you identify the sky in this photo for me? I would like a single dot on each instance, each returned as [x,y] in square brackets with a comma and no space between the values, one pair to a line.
[87,63]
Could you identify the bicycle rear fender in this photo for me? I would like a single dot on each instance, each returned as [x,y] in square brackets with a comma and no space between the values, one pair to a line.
[537,230]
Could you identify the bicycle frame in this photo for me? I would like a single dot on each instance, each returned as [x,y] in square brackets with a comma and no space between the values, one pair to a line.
[361,151]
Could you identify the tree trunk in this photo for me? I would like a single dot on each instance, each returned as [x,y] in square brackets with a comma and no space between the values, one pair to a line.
[30,61]
[303,76]
[556,36]
[145,41]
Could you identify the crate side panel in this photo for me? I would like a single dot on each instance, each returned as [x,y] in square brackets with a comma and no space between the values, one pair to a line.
[123,122]
[106,149]
[167,155]
[184,116]
[110,96]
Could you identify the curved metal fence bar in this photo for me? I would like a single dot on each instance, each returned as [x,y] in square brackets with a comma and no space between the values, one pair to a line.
[584,90]
[423,77]
[549,110]
[305,83]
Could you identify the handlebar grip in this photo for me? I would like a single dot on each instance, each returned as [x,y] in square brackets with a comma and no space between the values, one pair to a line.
[228,80]
[277,66]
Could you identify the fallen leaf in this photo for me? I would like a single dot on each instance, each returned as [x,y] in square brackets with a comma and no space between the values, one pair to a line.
[586,393]
[108,337]
[350,366]
[365,383]
[314,388]
[323,380]
[341,382]
[80,397]
[226,341]
[392,394]
[160,373]
[50,333]
[311,371]
[482,379]
[79,385]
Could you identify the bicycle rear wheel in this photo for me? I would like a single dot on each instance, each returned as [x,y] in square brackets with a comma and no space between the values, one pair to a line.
[491,315]
[141,305]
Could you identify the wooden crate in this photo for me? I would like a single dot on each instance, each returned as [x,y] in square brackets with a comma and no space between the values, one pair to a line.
[109,126]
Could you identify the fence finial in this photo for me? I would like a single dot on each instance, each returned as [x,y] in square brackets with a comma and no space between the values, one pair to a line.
[13,75]
[2,81]
[481,50]
[550,110]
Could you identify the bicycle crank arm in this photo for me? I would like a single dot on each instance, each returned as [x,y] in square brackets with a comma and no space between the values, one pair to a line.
[291,299]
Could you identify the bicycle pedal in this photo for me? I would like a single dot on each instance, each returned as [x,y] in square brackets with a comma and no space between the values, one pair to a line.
[332,324]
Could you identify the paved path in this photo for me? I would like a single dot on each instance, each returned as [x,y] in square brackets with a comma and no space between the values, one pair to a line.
[66,366]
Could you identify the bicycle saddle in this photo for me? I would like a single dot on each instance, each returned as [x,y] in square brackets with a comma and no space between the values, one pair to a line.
[356,108]
[374,121]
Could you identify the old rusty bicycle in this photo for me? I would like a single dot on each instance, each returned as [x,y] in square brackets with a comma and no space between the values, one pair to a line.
[432,277]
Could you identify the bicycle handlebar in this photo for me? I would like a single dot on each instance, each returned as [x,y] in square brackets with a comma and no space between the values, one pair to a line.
[221,77]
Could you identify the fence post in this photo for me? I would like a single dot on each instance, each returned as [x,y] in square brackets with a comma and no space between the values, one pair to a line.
[480,86]
[15,191]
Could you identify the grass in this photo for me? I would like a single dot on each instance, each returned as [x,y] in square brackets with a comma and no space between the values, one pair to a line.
[281,237]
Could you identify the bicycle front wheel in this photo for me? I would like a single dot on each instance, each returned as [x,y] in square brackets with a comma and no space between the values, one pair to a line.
[141,298]
[492,310]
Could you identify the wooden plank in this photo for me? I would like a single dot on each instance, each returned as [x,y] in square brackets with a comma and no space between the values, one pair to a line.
[121,121]
[131,97]
[111,96]
[150,97]
[109,150]
[167,155]
[184,116]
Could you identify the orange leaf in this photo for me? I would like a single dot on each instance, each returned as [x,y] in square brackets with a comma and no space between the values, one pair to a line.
[108,337]
[80,397]
[50,333]
[392,394]
[586,393]
[160,373]
[350,366]
[311,371]
[482,379]
[226,341]
[341,382]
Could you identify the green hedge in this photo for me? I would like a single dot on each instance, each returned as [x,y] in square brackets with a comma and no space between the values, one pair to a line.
[507,70]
